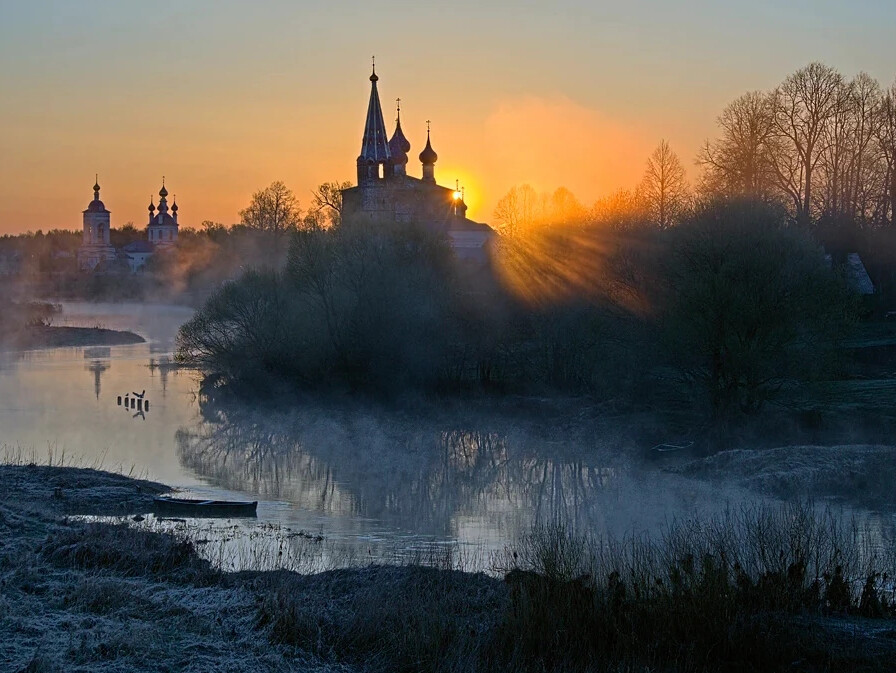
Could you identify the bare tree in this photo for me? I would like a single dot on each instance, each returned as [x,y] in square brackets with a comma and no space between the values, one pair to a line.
[664,188]
[274,210]
[326,202]
[516,210]
[623,209]
[803,104]
[886,140]
[564,207]
[738,162]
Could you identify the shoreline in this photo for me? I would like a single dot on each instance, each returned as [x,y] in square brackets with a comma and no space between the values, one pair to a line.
[45,337]
[80,596]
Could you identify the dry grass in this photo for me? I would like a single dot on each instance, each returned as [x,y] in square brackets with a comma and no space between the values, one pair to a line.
[763,589]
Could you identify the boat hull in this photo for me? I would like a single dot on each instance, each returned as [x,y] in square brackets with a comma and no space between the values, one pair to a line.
[204,508]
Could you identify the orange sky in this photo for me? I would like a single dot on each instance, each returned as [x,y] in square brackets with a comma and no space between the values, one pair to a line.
[224,98]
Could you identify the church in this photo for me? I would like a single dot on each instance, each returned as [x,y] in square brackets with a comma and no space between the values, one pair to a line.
[386,193]
[96,251]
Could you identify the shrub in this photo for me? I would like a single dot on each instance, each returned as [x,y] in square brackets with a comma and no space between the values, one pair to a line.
[747,303]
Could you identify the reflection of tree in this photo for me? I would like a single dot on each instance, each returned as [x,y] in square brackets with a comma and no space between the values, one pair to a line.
[410,474]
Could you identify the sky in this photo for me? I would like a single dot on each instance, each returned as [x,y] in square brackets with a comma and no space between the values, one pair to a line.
[224,97]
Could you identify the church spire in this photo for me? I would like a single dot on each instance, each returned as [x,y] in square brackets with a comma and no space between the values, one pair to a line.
[374,146]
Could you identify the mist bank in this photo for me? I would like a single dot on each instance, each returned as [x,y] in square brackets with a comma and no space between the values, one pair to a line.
[754,590]
[44,265]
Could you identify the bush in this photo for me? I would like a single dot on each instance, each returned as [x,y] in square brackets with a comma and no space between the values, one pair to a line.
[748,303]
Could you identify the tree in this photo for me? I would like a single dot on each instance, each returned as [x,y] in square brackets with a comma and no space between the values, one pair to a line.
[748,302]
[565,208]
[274,210]
[886,140]
[737,164]
[664,187]
[515,211]
[803,106]
[326,202]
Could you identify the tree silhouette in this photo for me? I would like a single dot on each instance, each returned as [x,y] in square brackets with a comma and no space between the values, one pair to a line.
[664,187]
[737,164]
[804,104]
[326,202]
[274,210]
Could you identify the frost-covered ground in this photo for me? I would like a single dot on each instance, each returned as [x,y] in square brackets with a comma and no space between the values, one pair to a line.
[82,595]
[861,475]
[66,607]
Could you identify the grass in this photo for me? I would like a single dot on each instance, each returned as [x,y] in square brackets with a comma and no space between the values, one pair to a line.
[749,590]
[755,589]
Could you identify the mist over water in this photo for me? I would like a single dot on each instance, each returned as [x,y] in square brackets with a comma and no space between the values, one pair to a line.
[373,481]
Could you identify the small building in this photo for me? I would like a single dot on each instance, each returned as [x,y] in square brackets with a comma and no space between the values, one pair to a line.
[136,254]
[386,193]
[95,247]
[854,271]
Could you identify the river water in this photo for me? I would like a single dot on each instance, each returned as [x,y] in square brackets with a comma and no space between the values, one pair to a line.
[373,485]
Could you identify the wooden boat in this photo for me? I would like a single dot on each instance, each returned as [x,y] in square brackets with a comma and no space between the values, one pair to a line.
[202,508]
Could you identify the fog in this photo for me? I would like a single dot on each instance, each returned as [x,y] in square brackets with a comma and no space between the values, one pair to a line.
[375,479]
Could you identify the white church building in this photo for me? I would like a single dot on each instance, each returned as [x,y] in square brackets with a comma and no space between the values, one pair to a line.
[96,251]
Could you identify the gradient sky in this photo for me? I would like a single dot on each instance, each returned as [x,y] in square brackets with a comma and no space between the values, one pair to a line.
[224,97]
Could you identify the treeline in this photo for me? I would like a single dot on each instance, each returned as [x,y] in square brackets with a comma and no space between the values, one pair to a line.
[819,144]
[45,264]
[720,311]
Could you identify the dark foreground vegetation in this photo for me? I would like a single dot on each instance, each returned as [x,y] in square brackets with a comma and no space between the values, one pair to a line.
[755,590]
[715,317]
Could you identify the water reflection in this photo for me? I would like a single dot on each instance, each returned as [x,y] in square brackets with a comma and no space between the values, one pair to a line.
[98,365]
[470,484]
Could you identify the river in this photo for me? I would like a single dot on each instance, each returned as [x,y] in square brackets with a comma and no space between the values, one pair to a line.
[372,484]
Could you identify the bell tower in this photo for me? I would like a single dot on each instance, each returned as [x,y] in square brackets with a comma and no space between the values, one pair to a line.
[375,159]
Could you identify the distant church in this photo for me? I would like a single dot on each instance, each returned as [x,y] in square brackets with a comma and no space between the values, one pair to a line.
[386,193]
[95,247]
[96,251]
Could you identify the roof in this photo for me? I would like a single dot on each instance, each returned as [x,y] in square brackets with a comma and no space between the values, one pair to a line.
[138,247]
[428,155]
[399,146]
[463,224]
[857,276]
[96,206]
[162,220]
[375,145]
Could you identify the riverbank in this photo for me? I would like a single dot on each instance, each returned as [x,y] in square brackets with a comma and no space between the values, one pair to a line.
[42,336]
[82,596]
[861,475]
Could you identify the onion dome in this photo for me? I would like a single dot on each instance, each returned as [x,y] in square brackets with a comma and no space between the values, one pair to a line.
[163,192]
[96,206]
[428,155]
[174,205]
[152,206]
[398,144]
